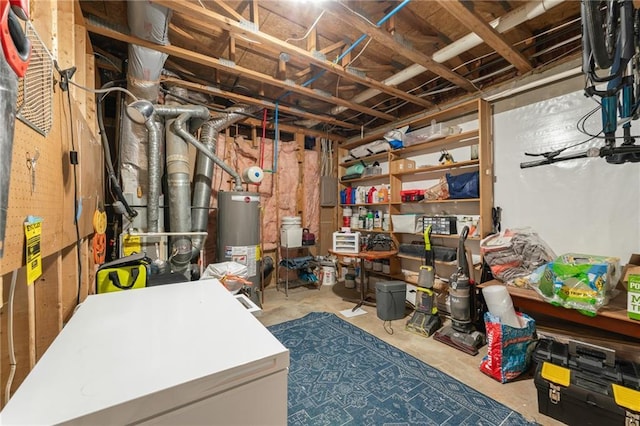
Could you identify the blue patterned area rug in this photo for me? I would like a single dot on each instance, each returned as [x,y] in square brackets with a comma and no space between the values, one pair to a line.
[342,375]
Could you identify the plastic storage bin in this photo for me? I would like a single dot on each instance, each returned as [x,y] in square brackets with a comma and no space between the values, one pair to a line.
[390,299]
[408,223]
[346,242]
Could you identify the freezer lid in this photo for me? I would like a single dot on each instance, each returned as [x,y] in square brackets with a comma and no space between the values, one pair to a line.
[140,352]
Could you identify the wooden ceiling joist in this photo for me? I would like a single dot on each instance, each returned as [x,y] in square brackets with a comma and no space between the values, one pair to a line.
[209,90]
[388,41]
[240,29]
[493,38]
[292,129]
[227,9]
[234,69]
[246,44]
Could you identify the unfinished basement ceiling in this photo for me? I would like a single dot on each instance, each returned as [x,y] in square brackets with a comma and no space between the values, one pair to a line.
[325,62]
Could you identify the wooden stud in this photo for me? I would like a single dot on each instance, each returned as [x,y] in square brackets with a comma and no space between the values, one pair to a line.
[230,11]
[31,312]
[254,13]
[391,25]
[47,304]
[299,138]
[232,48]
[254,137]
[346,58]
[20,332]
[282,69]
[312,40]
[69,280]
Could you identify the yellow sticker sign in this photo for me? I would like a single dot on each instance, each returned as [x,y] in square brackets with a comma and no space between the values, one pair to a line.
[33,231]
[131,244]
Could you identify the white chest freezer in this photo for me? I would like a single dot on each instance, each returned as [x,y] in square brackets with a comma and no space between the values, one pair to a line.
[186,353]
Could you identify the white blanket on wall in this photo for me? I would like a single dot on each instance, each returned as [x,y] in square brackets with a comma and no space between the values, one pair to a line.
[584,205]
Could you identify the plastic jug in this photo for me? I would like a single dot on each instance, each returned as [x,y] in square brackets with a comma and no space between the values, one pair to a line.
[348,195]
[371,195]
[383,194]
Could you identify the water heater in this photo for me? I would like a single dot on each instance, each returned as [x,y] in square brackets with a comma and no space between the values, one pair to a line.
[239,234]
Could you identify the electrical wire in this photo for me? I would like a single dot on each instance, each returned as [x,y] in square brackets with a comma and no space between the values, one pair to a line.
[100,55]
[12,352]
[358,14]
[111,89]
[75,196]
[390,329]
[309,30]
[361,52]
[580,126]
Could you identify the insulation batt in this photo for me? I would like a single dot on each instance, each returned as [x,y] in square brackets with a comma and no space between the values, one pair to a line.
[241,154]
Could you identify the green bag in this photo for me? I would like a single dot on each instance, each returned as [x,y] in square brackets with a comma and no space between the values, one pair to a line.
[125,273]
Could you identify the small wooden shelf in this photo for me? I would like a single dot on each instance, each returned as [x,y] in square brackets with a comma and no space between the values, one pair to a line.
[439,168]
[382,176]
[449,200]
[433,236]
[449,142]
[365,204]
[370,231]
[379,156]
[416,121]
[420,259]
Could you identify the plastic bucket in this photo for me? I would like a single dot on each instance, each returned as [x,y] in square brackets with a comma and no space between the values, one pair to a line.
[328,275]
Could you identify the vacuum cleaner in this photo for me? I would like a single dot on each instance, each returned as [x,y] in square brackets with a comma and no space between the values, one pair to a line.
[425,320]
[461,334]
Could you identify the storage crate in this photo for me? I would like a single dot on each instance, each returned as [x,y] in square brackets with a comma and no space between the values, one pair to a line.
[346,242]
[407,223]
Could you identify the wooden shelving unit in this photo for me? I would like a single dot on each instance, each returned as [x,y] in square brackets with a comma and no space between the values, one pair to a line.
[475,118]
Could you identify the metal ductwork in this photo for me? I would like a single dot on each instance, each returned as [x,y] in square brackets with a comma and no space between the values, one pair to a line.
[150,22]
[178,186]
[204,170]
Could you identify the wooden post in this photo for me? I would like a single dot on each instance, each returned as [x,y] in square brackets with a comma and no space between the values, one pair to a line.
[48,306]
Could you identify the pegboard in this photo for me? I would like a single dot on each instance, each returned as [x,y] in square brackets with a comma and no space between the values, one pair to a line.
[53,198]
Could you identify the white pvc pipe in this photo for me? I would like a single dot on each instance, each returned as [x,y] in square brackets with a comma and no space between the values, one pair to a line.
[535,84]
[501,24]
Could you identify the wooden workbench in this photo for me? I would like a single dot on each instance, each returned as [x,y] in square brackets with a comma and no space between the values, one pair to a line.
[612,317]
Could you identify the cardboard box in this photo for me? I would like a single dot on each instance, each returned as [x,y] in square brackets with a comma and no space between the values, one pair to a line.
[632,267]
[633,297]
[399,166]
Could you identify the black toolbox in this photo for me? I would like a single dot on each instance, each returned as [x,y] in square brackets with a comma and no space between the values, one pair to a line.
[583,384]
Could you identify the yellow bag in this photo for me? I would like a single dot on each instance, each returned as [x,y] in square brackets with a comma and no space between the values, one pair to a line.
[126,273]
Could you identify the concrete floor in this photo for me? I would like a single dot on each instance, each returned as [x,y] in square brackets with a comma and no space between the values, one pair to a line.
[520,396]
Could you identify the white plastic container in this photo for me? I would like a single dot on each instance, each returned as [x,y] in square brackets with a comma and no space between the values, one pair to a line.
[291,238]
